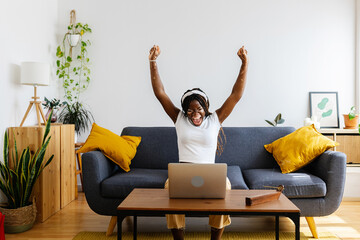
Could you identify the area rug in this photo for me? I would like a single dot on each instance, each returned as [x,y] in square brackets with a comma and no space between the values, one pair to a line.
[203,236]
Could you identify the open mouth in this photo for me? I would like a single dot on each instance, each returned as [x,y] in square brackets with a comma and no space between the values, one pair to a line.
[196,121]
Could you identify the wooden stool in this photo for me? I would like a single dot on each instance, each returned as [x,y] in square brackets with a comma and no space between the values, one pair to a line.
[79,169]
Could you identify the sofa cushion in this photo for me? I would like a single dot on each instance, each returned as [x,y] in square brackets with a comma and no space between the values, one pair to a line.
[299,148]
[299,184]
[121,184]
[157,149]
[119,149]
[245,146]
[236,178]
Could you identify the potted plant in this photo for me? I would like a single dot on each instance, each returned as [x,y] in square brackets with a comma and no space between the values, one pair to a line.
[75,76]
[277,120]
[17,183]
[51,106]
[74,72]
[75,32]
[76,114]
[351,119]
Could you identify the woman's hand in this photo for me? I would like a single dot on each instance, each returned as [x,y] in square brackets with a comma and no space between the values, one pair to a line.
[242,53]
[154,52]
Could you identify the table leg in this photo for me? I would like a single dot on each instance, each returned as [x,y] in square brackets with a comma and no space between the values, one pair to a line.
[135,228]
[120,219]
[296,219]
[297,228]
[277,227]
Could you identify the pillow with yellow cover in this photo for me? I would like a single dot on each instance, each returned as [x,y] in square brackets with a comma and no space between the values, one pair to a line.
[119,149]
[299,148]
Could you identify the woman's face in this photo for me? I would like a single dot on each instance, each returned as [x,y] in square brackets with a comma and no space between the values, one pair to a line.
[196,113]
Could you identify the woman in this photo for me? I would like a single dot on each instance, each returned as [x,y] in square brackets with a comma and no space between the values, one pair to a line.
[197,131]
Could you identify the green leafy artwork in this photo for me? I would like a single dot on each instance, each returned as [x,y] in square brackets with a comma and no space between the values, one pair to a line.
[322,106]
[327,114]
[323,103]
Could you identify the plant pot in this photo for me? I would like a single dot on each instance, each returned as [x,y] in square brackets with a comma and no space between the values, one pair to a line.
[351,124]
[73,39]
[19,219]
[53,117]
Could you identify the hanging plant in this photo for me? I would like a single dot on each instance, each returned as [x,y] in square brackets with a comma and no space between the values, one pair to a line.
[74,72]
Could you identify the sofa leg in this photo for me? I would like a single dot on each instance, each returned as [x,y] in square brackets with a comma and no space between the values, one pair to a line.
[112,225]
[312,226]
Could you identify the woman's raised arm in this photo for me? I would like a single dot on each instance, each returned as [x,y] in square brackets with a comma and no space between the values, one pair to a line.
[158,87]
[224,111]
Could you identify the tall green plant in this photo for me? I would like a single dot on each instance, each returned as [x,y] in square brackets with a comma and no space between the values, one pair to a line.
[18,182]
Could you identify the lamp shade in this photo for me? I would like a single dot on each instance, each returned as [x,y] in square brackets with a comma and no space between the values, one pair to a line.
[35,73]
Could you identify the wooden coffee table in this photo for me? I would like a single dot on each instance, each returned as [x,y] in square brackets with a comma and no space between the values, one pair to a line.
[156,202]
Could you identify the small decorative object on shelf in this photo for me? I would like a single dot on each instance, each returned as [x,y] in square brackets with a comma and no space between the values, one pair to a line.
[312,120]
[266,197]
[52,105]
[351,119]
[277,120]
[325,106]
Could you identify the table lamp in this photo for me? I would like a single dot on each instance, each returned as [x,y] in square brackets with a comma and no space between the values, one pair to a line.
[35,74]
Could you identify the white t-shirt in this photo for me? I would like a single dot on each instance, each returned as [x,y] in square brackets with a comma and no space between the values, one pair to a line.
[197,144]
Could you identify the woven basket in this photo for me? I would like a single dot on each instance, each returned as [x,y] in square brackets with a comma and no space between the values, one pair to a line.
[19,219]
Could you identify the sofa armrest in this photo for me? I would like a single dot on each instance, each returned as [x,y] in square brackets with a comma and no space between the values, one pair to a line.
[331,168]
[95,168]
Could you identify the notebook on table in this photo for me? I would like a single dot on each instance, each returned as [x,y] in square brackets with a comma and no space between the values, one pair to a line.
[191,180]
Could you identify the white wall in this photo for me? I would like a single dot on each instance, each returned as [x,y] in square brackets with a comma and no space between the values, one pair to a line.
[27,34]
[294,47]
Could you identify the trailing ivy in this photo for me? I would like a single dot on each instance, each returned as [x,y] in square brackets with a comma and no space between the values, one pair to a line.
[74,71]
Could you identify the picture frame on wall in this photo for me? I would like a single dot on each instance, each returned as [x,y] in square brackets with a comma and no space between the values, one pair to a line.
[325,107]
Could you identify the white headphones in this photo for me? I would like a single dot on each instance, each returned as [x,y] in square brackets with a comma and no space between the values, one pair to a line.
[194,92]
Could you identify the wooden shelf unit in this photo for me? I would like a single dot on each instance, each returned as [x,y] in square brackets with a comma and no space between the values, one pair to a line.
[349,140]
[55,187]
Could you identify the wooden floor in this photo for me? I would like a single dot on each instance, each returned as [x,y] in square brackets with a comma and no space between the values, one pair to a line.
[77,217]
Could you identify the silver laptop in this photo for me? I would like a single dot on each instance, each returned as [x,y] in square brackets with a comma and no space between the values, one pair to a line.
[191,180]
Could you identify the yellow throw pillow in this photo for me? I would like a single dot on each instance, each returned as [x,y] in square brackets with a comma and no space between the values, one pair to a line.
[119,149]
[299,148]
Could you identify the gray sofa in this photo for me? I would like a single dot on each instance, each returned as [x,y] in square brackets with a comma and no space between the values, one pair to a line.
[316,189]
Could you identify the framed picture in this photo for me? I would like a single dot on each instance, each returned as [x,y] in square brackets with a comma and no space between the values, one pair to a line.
[324,106]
